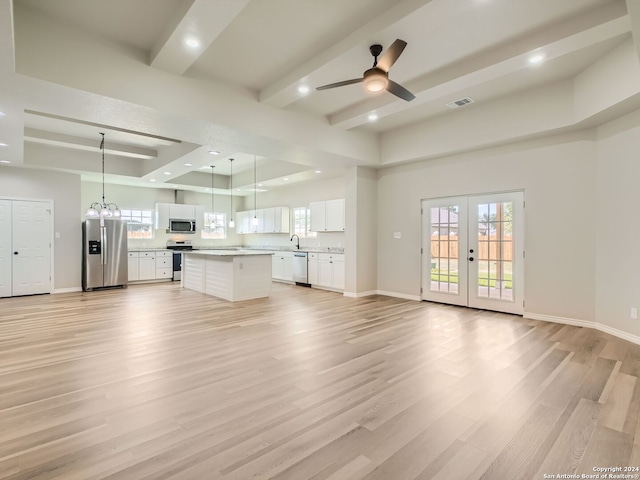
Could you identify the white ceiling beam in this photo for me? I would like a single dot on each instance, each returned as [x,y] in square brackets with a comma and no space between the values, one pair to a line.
[284,91]
[633,7]
[204,20]
[494,64]
[86,144]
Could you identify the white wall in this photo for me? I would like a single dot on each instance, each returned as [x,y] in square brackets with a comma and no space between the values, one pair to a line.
[298,195]
[558,178]
[64,190]
[616,224]
[361,220]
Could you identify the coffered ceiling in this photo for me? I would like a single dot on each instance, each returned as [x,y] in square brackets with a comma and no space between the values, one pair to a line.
[72,69]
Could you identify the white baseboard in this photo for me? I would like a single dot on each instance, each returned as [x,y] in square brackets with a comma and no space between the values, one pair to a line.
[66,290]
[585,323]
[399,295]
[360,294]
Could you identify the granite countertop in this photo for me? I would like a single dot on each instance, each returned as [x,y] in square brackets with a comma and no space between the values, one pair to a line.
[252,248]
[227,253]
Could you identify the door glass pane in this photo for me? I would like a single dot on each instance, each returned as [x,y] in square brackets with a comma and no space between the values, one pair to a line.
[495,251]
[444,249]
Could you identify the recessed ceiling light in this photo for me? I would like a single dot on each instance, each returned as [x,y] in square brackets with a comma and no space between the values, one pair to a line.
[3,144]
[192,42]
[2,114]
[213,152]
[372,117]
[303,89]
[259,184]
[152,179]
[537,58]
[318,171]
[167,173]
[5,161]
[237,189]
[188,165]
[286,179]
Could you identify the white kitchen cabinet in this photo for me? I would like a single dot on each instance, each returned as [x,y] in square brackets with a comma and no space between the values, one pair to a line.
[275,220]
[178,211]
[162,216]
[282,266]
[242,222]
[312,269]
[327,216]
[150,265]
[331,270]
[335,215]
[164,264]
[270,220]
[132,266]
[146,266]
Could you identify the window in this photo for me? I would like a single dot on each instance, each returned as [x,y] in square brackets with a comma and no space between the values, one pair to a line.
[139,223]
[302,222]
[219,231]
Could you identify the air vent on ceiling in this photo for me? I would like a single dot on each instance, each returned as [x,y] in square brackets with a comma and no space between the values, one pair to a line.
[460,103]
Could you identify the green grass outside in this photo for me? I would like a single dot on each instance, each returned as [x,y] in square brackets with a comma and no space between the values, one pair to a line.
[483,282]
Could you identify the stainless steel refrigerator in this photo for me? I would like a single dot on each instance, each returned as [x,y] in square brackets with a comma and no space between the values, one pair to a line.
[105,258]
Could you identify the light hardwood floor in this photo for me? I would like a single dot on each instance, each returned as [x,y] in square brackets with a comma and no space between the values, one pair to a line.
[156,382]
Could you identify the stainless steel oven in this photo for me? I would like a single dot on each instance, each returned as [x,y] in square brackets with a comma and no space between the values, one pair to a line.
[178,247]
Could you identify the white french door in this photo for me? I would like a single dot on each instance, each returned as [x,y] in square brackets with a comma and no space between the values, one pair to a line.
[473,251]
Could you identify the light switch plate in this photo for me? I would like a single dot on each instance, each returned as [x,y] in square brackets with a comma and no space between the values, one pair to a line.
[397,234]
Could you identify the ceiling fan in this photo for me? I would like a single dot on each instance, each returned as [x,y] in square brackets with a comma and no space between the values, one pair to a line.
[376,78]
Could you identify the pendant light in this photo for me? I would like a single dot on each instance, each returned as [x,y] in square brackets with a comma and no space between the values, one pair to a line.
[107,210]
[254,222]
[212,220]
[232,224]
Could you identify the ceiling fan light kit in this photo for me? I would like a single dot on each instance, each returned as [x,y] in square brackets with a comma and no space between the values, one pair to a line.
[376,79]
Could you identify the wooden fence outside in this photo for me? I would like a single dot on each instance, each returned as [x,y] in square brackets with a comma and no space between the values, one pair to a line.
[489,247]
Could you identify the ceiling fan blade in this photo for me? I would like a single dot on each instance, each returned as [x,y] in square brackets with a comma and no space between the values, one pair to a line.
[340,84]
[400,91]
[389,57]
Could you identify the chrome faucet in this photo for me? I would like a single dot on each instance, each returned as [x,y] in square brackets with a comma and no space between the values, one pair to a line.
[297,244]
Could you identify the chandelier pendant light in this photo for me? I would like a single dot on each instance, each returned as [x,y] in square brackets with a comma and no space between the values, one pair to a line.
[106,210]
[255,194]
[232,224]
[212,220]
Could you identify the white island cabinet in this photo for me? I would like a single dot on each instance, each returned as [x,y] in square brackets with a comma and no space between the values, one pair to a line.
[228,274]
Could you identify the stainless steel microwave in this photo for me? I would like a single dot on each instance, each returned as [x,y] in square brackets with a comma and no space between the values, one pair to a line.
[181,226]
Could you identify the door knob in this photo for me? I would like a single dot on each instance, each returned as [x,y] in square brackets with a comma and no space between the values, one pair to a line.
[15,253]
[471,251]
[471,259]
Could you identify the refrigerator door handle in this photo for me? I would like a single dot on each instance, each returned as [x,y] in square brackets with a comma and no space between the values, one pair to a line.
[103,246]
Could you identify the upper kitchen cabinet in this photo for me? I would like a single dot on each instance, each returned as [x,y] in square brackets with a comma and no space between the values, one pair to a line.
[327,216]
[276,220]
[178,211]
[270,220]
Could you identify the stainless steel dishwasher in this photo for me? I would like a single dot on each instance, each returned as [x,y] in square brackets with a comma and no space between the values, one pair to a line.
[300,275]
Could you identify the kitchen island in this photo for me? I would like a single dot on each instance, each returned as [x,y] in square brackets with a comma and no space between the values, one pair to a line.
[229,274]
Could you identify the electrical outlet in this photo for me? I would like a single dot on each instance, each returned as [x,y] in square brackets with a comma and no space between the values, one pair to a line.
[634,313]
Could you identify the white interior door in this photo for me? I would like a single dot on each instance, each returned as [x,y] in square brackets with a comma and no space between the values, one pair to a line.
[5,249]
[473,251]
[31,245]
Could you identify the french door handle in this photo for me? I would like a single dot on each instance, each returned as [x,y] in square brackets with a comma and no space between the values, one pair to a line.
[470,259]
